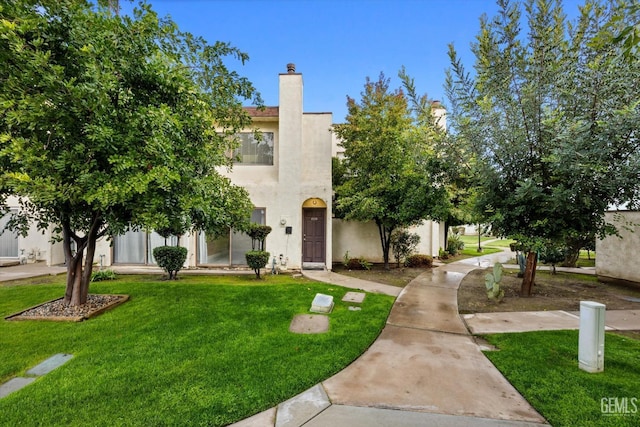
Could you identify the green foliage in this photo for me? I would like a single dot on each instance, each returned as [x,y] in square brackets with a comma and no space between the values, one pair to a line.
[345,259]
[492,283]
[550,117]
[111,122]
[191,343]
[392,175]
[358,264]
[552,253]
[403,244]
[419,261]
[442,254]
[454,244]
[257,260]
[170,258]
[101,275]
[258,234]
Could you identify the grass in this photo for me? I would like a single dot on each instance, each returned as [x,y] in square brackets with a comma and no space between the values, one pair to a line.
[473,251]
[543,366]
[470,240]
[204,350]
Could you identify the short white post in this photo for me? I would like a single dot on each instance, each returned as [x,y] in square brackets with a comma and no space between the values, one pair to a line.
[591,336]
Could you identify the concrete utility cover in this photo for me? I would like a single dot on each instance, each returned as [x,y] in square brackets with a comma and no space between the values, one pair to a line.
[309,324]
[14,384]
[322,304]
[50,364]
[356,297]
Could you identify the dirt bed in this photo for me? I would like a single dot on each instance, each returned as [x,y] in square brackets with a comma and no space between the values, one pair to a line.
[562,291]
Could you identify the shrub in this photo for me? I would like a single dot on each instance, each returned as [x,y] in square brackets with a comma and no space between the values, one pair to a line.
[258,234]
[257,260]
[442,254]
[358,264]
[403,244]
[552,254]
[170,258]
[454,244]
[98,276]
[419,260]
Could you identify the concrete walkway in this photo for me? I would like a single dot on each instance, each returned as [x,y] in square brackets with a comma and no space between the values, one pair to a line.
[424,369]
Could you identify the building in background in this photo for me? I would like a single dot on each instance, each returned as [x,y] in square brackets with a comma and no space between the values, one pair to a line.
[287,172]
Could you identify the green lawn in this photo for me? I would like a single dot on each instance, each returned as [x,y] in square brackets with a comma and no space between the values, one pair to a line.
[543,366]
[470,240]
[205,350]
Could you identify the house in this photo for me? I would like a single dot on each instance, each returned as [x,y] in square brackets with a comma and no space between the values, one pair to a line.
[617,257]
[288,176]
[287,173]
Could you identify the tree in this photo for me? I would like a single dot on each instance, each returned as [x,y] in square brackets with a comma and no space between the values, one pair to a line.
[109,123]
[393,176]
[403,244]
[257,257]
[552,117]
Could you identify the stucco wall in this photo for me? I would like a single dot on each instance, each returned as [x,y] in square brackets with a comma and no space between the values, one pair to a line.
[617,258]
[362,239]
[301,171]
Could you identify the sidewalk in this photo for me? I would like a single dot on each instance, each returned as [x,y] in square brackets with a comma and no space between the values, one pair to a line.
[424,369]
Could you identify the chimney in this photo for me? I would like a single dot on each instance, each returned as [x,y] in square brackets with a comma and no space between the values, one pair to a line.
[291,68]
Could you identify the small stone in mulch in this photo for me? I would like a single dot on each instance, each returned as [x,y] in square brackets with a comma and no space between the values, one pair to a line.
[309,324]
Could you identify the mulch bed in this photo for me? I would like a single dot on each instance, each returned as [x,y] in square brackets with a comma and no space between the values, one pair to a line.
[56,310]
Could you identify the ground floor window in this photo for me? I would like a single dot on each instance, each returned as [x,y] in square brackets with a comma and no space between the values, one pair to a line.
[230,248]
[8,238]
[136,247]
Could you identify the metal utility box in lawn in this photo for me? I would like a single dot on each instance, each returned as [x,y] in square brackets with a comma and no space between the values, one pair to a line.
[591,336]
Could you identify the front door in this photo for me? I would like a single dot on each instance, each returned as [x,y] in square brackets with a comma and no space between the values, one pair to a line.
[313,235]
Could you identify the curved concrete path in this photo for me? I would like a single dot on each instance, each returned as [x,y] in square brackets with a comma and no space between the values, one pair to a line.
[424,368]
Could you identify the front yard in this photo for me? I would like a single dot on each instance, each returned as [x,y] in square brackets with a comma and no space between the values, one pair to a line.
[204,350]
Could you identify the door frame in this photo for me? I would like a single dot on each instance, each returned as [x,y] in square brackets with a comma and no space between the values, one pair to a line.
[309,206]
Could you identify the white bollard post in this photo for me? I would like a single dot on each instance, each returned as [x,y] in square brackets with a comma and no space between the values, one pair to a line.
[591,336]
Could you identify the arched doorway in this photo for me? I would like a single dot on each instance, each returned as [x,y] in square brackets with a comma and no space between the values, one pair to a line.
[314,233]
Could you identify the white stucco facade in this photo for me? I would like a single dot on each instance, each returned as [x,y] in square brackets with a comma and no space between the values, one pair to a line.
[291,192]
[298,180]
[617,257]
[362,240]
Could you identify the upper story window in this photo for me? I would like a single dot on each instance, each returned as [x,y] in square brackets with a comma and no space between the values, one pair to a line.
[254,151]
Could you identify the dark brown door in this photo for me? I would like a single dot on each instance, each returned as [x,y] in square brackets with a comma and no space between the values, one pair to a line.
[313,237]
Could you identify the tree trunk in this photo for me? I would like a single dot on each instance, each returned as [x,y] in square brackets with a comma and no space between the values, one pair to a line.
[571,259]
[79,278]
[529,274]
[385,240]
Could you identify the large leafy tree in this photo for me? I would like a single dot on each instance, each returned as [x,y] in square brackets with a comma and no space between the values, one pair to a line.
[551,114]
[108,123]
[392,173]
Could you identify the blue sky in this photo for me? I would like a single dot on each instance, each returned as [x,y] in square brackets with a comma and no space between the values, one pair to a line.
[336,44]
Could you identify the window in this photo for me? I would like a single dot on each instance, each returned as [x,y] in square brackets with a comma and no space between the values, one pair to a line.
[8,238]
[136,247]
[230,248]
[253,151]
